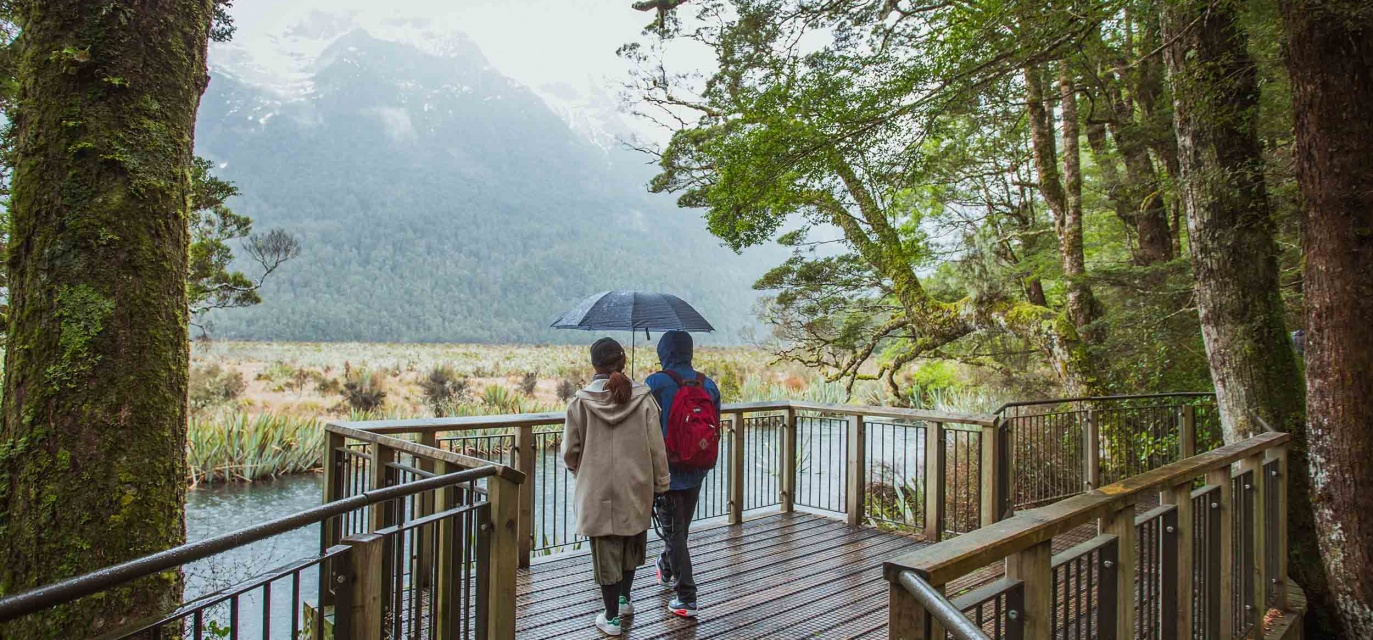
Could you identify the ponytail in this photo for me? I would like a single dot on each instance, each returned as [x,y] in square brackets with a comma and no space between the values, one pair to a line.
[619,387]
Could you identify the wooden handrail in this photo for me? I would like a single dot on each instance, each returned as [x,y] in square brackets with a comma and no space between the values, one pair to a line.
[468,423]
[465,462]
[942,563]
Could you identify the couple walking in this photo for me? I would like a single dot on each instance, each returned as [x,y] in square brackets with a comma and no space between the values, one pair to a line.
[634,448]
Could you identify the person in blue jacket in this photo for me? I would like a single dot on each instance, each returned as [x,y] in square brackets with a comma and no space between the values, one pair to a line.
[675,508]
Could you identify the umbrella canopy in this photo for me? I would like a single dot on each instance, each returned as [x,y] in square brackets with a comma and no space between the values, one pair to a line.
[633,310]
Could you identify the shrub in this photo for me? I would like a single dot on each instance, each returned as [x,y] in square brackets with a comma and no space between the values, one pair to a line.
[213,385]
[364,389]
[499,399]
[568,388]
[278,375]
[442,388]
[328,386]
[528,382]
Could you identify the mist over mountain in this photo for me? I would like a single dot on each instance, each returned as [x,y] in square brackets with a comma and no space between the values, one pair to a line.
[438,200]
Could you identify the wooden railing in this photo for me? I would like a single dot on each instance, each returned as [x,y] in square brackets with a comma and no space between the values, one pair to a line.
[927,470]
[1208,562]
[371,584]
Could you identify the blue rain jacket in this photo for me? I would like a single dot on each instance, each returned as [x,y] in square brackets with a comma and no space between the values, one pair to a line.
[674,352]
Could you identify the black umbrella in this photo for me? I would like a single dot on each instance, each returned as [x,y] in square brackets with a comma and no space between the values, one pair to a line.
[631,311]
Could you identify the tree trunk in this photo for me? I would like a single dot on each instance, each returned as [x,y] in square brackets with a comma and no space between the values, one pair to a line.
[92,453]
[1330,56]
[1234,255]
[1070,352]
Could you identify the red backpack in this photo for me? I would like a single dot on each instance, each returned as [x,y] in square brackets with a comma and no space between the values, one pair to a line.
[693,426]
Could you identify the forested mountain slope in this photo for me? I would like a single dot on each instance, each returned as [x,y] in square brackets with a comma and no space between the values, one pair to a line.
[438,200]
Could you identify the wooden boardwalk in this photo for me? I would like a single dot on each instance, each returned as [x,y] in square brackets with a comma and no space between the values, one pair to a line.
[778,576]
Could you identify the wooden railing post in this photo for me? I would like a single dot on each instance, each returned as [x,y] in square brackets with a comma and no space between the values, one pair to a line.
[1259,488]
[1278,484]
[1222,509]
[368,583]
[524,461]
[1121,524]
[332,529]
[906,619]
[1091,452]
[446,590]
[736,469]
[856,470]
[788,463]
[1034,567]
[502,558]
[1187,432]
[381,515]
[1180,580]
[934,481]
[991,481]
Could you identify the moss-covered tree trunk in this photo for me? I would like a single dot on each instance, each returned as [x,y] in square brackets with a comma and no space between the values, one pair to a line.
[1233,251]
[92,449]
[1330,56]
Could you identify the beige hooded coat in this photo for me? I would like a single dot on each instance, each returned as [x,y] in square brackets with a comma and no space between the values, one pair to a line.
[616,453]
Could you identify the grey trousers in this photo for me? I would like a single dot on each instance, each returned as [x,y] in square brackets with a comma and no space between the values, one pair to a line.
[675,509]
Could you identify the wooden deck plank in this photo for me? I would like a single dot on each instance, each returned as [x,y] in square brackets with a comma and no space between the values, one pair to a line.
[705,558]
[796,575]
[748,576]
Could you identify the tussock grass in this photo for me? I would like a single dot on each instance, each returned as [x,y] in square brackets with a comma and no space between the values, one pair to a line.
[241,447]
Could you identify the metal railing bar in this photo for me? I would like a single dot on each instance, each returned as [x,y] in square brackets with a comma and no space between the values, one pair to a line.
[409,469]
[208,600]
[1199,492]
[435,517]
[96,581]
[985,593]
[1175,394]
[1154,514]
[939,607]
[1081,550]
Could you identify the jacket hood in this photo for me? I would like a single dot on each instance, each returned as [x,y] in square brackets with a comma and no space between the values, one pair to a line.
[599,404]
[674,349]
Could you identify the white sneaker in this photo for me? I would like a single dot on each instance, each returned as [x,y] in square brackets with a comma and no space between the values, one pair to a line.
[626,607]
[609,627]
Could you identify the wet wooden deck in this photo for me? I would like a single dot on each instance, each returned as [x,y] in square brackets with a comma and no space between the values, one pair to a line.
[777,576]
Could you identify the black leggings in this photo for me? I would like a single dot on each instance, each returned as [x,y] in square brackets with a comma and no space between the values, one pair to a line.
[610,593]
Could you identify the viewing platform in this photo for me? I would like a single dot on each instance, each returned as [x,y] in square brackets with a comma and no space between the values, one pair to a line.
[1117,517]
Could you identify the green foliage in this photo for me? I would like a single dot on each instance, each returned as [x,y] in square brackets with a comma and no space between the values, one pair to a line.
[910,138]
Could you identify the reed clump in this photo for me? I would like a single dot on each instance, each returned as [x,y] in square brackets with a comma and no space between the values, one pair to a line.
[238,447]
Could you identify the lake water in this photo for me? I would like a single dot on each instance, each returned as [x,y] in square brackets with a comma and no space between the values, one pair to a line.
[221,509]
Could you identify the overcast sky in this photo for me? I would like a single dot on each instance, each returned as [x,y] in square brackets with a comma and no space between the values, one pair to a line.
[536,42]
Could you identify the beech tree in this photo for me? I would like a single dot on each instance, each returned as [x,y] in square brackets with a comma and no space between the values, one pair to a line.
[1330,55]
[92,452]
[1234,255]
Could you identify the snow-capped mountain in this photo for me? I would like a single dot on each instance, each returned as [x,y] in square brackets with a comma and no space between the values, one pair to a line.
[439,200]
[284,64]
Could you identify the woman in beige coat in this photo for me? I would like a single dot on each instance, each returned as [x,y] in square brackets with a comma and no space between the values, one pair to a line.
[613,445]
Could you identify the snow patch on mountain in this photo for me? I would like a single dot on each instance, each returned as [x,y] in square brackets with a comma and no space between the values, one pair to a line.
[284,60]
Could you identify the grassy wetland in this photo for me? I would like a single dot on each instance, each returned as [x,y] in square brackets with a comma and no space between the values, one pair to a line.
[258,409]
